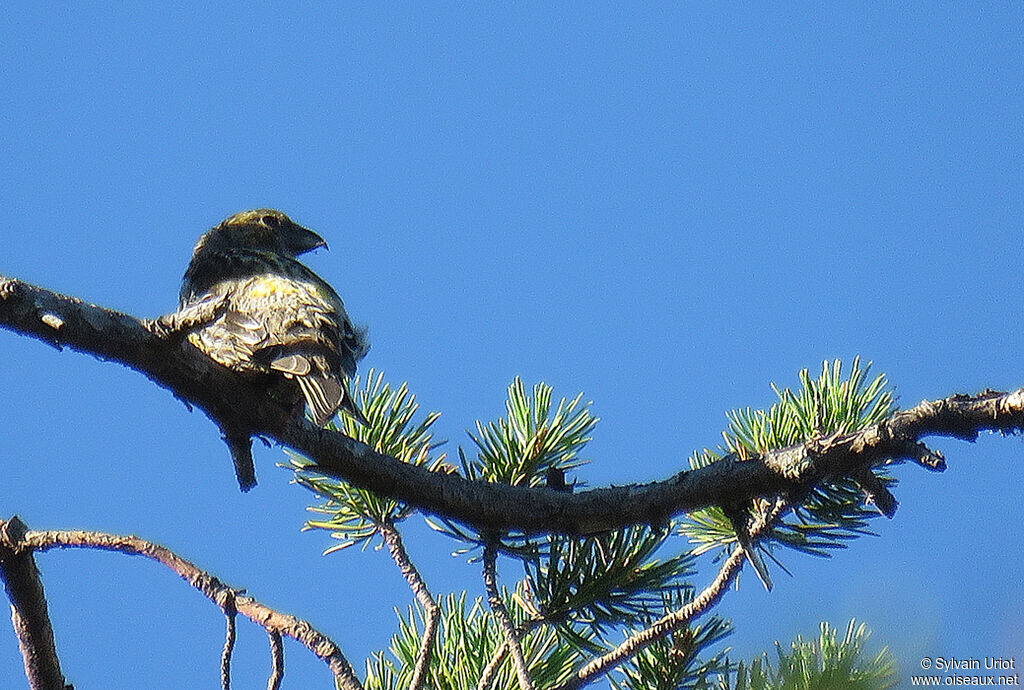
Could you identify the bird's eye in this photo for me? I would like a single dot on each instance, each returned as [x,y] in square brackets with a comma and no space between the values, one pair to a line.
[271,221]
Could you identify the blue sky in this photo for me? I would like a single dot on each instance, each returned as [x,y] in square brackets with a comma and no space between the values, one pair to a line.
[666,207]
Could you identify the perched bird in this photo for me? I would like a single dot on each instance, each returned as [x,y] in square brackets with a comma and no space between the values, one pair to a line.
[279,317]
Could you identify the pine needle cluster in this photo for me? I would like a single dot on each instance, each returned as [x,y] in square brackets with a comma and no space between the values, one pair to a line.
[576,597]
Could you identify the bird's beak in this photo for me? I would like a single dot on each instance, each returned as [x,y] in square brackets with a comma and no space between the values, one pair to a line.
[301,240]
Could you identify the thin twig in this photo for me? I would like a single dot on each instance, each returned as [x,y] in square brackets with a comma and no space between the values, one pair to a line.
[501,614]
[230,613]
[393,539]
[29,613]
[276,660]
[212,588]
[491,669]
[679,618]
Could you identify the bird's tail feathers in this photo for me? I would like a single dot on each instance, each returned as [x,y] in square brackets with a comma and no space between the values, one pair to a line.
[323,396]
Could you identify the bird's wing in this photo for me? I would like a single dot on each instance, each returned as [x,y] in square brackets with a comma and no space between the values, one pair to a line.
[289,321]
[231,339]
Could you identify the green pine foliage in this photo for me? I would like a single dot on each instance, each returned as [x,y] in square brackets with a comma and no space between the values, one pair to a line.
[353,514]
[827,663]
[579,595]
[676,662]
[834,512]
[604,581]
[519,448]
[468,638]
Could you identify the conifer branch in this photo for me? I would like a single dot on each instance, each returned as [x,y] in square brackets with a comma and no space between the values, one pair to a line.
[236,403]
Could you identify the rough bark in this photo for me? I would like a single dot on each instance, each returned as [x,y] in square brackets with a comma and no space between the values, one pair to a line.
[29,613]
[235,403]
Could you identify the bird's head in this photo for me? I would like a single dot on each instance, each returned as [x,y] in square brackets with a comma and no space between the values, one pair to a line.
[264,229]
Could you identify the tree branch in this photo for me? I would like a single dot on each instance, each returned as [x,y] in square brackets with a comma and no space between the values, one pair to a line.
[674,620]
[276,660]
[230,614]
[212,588]
[28,609]
[237,404]
[501,614]
[491,669]
[431,612]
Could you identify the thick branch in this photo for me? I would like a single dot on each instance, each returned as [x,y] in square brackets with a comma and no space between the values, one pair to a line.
[212,588]
[237,403]
[148,347]
[28,609]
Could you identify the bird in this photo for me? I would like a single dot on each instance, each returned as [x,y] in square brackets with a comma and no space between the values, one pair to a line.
[279,319]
